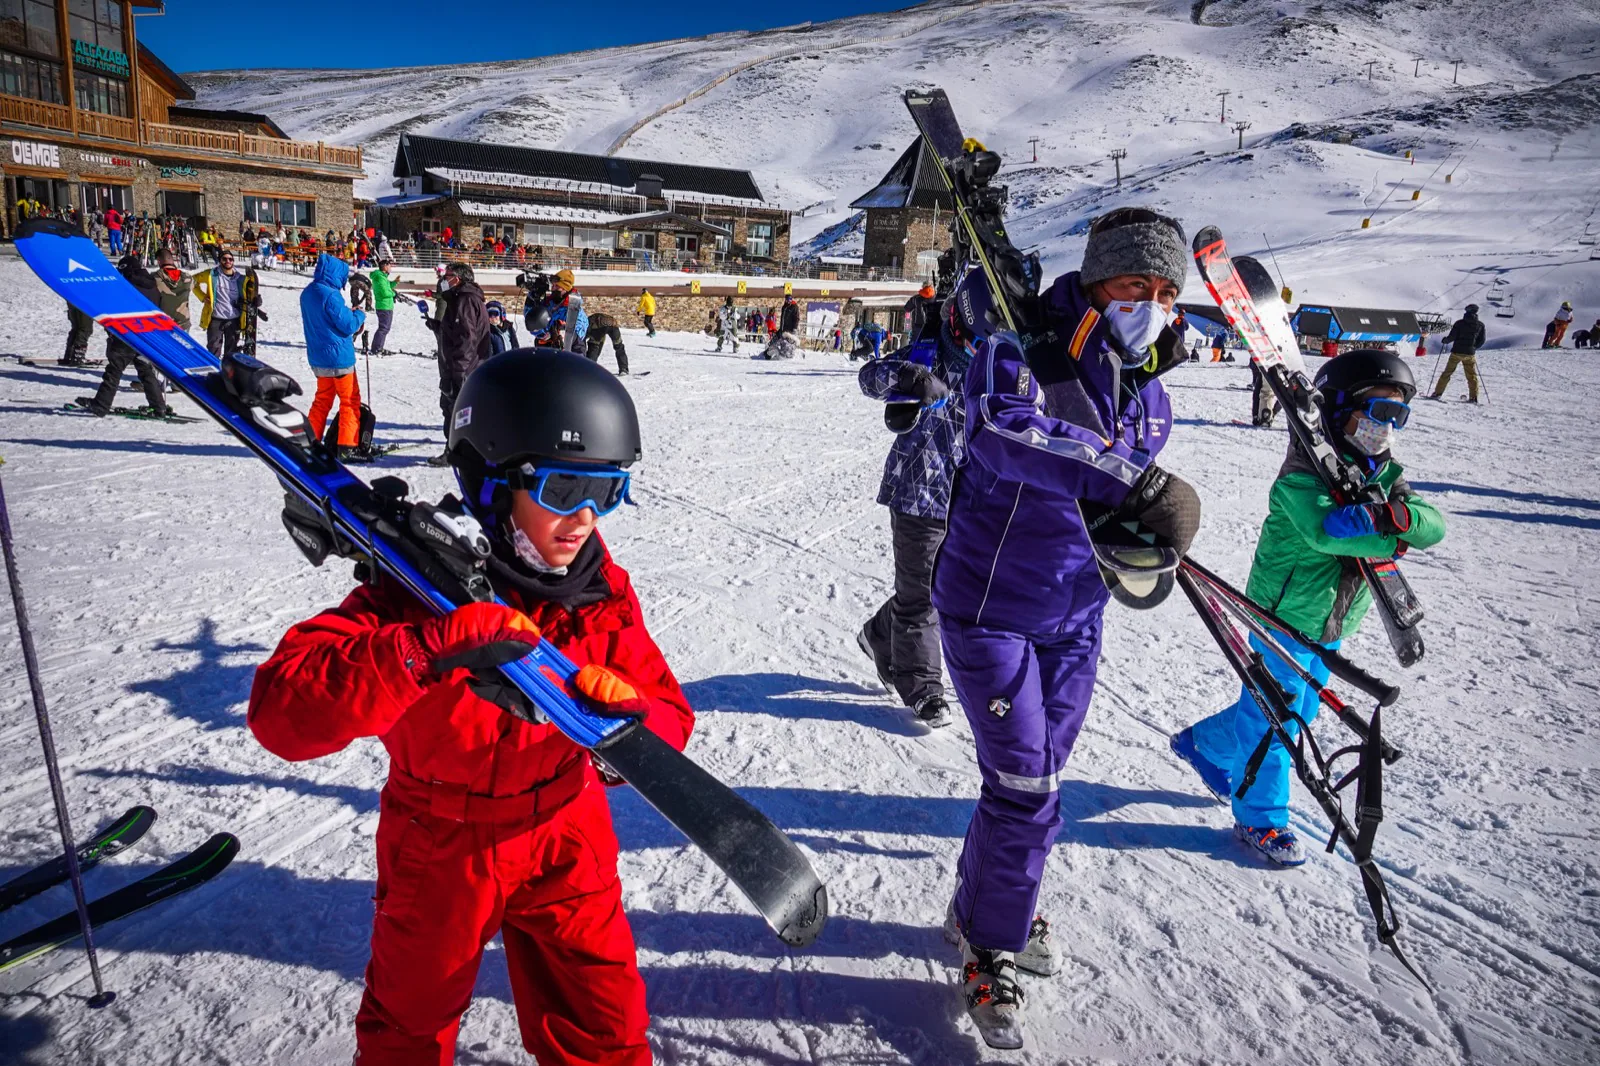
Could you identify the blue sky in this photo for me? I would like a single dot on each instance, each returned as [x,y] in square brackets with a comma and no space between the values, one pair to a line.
[211,35]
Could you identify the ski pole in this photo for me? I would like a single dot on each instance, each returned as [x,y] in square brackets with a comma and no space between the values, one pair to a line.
[1433,375]
[30,661]
[1345,713]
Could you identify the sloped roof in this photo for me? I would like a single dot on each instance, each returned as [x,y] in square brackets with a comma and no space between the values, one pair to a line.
[151,63]
[247,118]
[913,181]
[416,154]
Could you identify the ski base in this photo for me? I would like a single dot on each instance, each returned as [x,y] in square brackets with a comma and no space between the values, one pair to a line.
[191,871]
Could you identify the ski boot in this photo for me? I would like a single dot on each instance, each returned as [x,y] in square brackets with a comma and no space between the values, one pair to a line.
[994,1000]
[932,711]
[442,459]
[89,404]
[1278,846]
[1039,956]
[1214,776]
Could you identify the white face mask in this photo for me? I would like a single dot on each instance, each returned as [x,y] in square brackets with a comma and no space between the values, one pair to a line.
[1135,324]
[530,554]
[1371,436]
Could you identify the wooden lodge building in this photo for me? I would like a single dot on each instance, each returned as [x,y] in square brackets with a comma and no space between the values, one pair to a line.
[90,118]
[600,210]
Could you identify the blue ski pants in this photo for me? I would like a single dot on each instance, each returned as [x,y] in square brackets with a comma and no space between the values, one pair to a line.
[1026,698]
[1229,737]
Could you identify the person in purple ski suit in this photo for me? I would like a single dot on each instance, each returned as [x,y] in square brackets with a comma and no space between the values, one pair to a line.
[1019,592]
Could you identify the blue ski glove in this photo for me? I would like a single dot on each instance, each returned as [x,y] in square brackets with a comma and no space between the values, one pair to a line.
[1368,519]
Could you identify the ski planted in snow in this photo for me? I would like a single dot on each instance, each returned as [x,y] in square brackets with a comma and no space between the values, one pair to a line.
[117,837]
[438,554]
[250,314]
[191,871]
[1136,565]
[1253,306]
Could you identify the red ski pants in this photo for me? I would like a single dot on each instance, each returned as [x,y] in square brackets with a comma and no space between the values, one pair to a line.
[453,870]
[349,394]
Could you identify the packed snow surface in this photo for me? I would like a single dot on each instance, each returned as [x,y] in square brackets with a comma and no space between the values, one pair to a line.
[159,576]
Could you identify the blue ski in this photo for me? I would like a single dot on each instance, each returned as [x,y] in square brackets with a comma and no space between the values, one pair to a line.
[333,512]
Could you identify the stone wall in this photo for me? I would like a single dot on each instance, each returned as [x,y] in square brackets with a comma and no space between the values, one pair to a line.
[895,236]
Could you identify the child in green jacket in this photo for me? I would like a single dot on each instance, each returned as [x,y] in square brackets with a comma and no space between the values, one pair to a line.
[1305,572]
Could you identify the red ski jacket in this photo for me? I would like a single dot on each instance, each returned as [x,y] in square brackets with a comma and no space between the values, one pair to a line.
[342,675]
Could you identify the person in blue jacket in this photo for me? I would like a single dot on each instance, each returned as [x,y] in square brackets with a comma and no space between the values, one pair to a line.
[330,328]
[1080,417]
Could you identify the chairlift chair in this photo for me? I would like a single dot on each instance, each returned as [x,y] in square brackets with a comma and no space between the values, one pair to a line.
[1508,310]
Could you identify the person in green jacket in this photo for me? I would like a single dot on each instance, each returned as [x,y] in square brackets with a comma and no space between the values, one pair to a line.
[1305,572]
[382,302]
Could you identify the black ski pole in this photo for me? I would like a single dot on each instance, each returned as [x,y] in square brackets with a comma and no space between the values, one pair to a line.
[31,661]
[1433,375]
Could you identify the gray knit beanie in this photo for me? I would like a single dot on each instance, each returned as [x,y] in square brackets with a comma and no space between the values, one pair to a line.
[1135,240]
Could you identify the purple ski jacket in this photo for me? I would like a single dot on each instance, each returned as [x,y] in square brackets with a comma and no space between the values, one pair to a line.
[1064,424]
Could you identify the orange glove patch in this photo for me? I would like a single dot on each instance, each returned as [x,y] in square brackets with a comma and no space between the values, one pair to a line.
[608,694]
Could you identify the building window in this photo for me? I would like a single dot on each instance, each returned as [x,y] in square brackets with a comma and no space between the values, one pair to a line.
[108,96]
[548,236]
[96,22]
[100,197]
[688,242]
[34,78]
[264,210]
[758,240]
[30,25]
[587,237]
[644,242]
[432,227]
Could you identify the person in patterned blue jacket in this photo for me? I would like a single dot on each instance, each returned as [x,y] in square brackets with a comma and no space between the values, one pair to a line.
[902,638]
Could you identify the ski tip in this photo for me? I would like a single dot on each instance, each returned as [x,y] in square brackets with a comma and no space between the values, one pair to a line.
[52,227]
[805,918]
[1205,237]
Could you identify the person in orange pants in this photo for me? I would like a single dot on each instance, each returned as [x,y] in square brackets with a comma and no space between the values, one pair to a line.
[347,389]
[491,822]
[330,328]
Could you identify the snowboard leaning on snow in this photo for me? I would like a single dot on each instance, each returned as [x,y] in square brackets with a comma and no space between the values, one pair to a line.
[397,538]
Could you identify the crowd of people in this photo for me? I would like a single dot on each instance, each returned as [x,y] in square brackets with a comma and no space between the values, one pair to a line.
[541,441]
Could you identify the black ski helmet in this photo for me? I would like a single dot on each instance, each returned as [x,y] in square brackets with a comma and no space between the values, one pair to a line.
[533,403]
[1343,379]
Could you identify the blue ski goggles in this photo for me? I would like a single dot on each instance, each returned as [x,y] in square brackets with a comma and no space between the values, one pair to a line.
[568,488]
[1395,412]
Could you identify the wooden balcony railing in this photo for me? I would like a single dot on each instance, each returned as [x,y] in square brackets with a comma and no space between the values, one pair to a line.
[116,128]
[250,146]
[26,112]
[35,113]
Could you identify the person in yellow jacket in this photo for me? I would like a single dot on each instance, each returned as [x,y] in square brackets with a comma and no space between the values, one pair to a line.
[221,295]
[647,308]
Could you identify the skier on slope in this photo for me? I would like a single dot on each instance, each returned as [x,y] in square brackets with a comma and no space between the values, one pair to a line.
[490,824]
[601,327]
[1464,338]
[1017,586]
[902,638]
[1305,572]
[1556,331]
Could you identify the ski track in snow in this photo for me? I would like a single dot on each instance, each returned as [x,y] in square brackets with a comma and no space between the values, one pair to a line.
[158,576]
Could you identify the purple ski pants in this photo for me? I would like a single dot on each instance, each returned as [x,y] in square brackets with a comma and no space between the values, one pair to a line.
[1026,698]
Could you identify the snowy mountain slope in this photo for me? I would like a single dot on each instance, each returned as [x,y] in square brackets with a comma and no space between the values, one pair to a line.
[814,112]
[159,576]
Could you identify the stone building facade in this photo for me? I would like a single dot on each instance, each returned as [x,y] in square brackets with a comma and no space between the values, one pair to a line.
[90,124]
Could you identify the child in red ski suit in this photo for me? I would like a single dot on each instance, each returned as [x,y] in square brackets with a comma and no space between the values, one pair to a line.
[488,823]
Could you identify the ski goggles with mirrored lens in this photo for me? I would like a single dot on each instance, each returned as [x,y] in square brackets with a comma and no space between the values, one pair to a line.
[1395,412]
[568,489]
